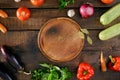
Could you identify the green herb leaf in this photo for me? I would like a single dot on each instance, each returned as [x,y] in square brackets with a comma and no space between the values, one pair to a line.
[45,65]
[81,35]
[85,31]
[65,74]
[64,3]
[50,72]
[89,40]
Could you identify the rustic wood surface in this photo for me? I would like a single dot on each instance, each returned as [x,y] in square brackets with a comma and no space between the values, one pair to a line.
[22,36]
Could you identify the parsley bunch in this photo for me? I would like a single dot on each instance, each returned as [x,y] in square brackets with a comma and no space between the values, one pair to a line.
[50,72]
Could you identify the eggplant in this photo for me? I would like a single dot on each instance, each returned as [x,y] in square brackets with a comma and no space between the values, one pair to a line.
[8,56]
[8,71]
[4,76]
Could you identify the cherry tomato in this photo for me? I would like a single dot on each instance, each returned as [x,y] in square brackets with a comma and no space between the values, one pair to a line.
[23,13]
[107,1]
[37,2]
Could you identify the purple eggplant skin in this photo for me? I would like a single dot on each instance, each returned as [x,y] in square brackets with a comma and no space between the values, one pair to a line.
[8,70]
[5,76]
[9,57]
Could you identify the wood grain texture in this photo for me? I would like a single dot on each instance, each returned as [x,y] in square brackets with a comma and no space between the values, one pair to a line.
[40,16]
[22,36]
[51,4]
[25,45]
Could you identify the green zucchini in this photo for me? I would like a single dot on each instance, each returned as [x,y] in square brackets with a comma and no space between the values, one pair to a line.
[110,15]
[110,32]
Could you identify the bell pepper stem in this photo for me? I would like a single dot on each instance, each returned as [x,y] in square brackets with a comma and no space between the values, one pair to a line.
[84,72]
[110,57]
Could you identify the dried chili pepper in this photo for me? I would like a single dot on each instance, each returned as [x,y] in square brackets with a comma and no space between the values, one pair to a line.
[114,64]
[85,71]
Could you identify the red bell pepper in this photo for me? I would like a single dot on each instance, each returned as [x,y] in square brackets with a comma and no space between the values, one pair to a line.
[85,71]
[114,64]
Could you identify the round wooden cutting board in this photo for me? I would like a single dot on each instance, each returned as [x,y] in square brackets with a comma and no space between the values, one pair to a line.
[59,39]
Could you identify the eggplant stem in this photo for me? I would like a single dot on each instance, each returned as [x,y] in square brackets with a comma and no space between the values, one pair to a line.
[27,73]
[24,72]
[111,58]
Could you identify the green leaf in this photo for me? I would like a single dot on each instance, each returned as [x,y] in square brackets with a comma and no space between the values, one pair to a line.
[85,31]
[45,65]
[72,1]
[56,68]
[81,35]
[89,40]
[44,77]
[53,75]
[65,74]
[64,3]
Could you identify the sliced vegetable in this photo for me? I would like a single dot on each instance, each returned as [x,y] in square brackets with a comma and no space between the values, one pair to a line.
[107,1]
[86,10]
[110,32]
[37,2]
[23,13]
[110,15]
[3,28]
[50,72]
[3,14]
[103,63]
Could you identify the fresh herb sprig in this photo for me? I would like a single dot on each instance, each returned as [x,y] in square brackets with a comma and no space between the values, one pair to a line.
[86,32]
[64,3]
[50,72]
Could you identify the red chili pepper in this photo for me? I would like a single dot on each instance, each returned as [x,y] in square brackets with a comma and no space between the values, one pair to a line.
[85,71]
[114,64]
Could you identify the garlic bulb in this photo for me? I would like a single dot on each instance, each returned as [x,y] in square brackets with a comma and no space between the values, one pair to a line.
[71,13]
[17,0]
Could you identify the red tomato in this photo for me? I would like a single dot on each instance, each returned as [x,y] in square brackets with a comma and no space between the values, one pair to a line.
[37,2]
[107,1]
[23,13]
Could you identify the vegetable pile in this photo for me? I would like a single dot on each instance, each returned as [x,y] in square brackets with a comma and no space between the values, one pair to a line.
[50,72]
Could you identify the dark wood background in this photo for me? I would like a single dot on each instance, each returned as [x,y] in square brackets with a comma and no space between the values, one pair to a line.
[22,36]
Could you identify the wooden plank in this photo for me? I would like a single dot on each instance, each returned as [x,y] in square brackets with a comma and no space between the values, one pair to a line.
[85,56]
[51,4]
[24,44]
[40,16]
[28,39]
[32,59]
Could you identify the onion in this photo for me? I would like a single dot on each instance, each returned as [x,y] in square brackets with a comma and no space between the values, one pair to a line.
[86,10]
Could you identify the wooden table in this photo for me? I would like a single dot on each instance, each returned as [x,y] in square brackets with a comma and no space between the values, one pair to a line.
[22,36]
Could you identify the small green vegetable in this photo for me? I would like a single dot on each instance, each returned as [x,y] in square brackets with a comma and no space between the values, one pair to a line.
[50,72]
[110,32]
[64,3]
[110,15]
